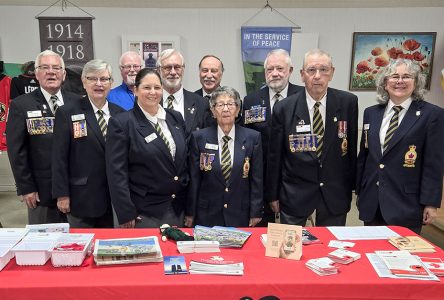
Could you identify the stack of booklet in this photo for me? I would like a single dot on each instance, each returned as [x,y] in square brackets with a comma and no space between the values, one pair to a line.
[217,265]
[400,264]
[198,246]
[412,244]
[343,256]
[126,251]
[434,264]
[322,266]
[226,236]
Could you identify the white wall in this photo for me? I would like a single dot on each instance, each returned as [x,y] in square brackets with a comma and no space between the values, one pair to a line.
[217,31]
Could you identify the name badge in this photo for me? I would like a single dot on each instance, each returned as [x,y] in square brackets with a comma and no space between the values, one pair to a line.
[34,113]
[79,129]
[37,126]
[303,128]
[150,138]
[211,146]
[78,117]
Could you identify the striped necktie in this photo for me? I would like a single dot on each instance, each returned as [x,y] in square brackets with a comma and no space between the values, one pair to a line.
[160,132]
[170,100]
[226,159]
[318,128]
[276,98]
[207,97]
[54,100]
[392,126]
[102,123]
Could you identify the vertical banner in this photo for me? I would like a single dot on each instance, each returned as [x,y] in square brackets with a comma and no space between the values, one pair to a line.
[256,43]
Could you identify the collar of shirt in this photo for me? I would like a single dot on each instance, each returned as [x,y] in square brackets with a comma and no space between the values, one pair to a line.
[283,93]
[104,108]
[126,88]
[178,97]
[221,134]
[161,115]
[311,102]
[48,97]
[405,106]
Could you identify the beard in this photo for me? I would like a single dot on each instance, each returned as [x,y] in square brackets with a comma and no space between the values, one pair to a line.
[172,84]
[277,85]
[130,80]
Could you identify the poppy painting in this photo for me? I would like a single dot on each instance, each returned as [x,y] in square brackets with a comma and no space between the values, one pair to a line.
[373,51]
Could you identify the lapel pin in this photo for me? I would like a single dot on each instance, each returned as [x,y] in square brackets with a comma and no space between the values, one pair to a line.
[243,147]
[335,119]
[44,106]
[418,113]
[192,111]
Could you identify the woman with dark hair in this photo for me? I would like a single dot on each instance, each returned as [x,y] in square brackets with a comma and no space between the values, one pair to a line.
[401,161]
[146,158]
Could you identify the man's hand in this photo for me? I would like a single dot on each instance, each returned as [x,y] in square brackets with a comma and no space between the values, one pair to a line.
[428,215]
[63,204]
[274,205]
[254,221]
[189,221]
[31,199]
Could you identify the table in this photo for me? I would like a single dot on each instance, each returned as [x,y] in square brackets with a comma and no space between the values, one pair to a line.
[285,279]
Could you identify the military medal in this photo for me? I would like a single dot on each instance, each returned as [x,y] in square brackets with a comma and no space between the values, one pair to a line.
[246,168]
[255,114]
[342,129]
[344,146]
[38,126]
[206,161]
[79,129]
[410,157]
[293,142]
[366,128]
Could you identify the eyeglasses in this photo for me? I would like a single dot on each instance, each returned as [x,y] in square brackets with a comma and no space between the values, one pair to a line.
[128,67]
[47,68]
[103,80]
[178,68]
[404,78]
[221,106]
[322,70]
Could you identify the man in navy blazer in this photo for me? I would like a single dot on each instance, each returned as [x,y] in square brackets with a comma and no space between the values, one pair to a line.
[30,133]
[194,109]
[214,199]
[400,178]
[278,68]
[78,161]
[309,170]
[211,70]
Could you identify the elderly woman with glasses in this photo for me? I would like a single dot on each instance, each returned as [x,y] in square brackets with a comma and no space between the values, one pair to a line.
[401,159]
[226,169]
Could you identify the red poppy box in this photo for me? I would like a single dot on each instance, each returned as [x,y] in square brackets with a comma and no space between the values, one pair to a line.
[34,249]
[71,249]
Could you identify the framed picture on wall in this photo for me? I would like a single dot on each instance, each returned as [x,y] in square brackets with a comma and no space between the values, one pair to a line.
[149,48]
[373,51]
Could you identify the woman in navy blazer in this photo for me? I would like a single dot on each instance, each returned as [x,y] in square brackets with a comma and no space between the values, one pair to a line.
[226,186]
[400,164]
[146,159]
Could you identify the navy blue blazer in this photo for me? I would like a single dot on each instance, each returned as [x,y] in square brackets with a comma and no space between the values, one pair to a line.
[197,113]
[299,180]
[262,98]
[30,155]
[143,177]
[400,181]
[210,200]
[78,164]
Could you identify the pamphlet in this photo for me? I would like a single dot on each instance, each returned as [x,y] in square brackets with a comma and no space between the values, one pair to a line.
[284,241]
[174,265]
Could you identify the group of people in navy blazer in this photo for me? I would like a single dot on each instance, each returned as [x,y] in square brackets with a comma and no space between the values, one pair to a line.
[183,159]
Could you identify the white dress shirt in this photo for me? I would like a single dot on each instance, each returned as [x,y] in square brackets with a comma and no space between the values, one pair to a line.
[48,98]
[220,135]
[105,109]
[273,101]
[178,103]
[388,114]
[322,108]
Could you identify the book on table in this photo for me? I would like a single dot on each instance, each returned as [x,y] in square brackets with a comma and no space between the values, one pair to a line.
[127,250]
[412,244]
[218,265]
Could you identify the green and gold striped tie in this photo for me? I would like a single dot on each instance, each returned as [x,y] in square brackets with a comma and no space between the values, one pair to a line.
[160,132]
[226,159]
[170,100]
[102,123]
[318,128]
[392,126]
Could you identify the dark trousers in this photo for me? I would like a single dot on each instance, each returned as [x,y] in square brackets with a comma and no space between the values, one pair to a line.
[45,215]
[323,217]
[170,217]
[378,220]
[105,221]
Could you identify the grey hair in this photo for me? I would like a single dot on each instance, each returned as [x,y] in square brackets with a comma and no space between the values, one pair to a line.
[225,91]
[317,52]
[47,53]
[279,52]
[412,67]
[167,53]
[97,65]
[213,56]
[130,53]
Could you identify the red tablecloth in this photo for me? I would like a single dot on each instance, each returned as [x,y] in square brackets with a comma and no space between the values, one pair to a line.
[264,276]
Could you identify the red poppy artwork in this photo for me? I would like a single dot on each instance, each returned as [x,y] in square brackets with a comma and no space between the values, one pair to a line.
[372,51]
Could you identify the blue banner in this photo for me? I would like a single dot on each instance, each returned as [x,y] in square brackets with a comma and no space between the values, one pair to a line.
[256,43]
